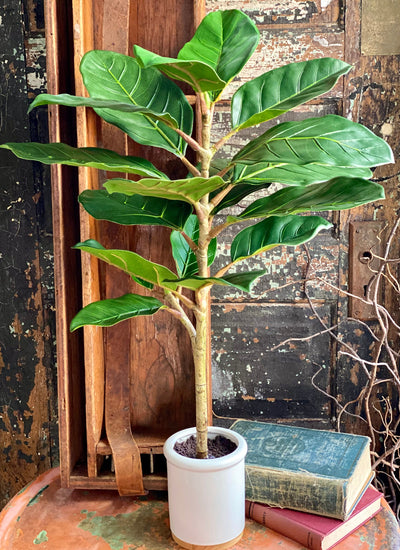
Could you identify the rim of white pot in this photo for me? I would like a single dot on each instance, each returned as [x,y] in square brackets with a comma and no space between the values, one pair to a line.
[205,465]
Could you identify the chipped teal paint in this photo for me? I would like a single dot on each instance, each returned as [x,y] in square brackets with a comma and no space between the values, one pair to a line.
[42,537]
[34,500]
[367,540]
[136,529]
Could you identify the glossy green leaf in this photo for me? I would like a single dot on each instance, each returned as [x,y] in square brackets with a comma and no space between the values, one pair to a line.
[135,210]
[99,103]
[252,178]
[102,159]
[274,93]
[131,263]
[242,281]
[224,40]
[189,190]
[142,282]
[185,258]
[292,174]
[275,231]
[109,75]
[331,140]
[221,46]
[336,194]
[200,76]
[106,313]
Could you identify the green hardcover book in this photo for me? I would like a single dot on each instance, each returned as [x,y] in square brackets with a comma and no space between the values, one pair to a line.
[314,471]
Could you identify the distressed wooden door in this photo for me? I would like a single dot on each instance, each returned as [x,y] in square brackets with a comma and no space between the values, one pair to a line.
[254,376]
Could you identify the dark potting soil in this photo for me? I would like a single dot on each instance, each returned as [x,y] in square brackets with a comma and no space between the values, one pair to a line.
[217,447]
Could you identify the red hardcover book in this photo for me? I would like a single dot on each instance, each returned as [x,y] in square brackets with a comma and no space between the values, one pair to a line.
[315,532]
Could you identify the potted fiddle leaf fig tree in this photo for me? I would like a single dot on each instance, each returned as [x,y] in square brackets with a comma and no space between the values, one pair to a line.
[321,163]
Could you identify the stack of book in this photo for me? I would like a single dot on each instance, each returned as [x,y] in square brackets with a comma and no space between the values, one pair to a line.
[312,486]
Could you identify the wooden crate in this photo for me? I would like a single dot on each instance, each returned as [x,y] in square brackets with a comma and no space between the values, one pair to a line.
[124,389]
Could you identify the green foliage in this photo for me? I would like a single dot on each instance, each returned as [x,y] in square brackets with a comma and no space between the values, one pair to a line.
[185,258]
[273,231]
[92,157]
[135,209]
[276,92]
[221,46]
[331,140]
[329,195]
[190,190]
[322,163]
[106,313]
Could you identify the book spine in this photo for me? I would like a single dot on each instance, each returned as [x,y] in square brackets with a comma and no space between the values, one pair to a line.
[304,492]
[271,518]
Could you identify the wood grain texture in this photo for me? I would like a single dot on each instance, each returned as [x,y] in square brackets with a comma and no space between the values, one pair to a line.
[124,397]
[66,261]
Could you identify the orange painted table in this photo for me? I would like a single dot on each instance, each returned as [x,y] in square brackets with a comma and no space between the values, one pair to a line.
[44,516]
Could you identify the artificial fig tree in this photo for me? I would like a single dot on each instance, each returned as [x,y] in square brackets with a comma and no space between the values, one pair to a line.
[321,163]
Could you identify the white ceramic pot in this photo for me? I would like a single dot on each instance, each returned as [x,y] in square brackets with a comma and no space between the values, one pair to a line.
[206,497]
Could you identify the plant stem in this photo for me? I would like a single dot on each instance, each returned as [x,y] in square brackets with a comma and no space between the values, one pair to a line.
[202,296]
[200,353]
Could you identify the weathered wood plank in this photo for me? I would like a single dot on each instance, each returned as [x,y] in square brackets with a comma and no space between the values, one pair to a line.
[284,12]
[66,261]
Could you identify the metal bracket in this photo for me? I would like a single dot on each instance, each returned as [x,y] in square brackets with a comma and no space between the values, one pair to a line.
[365,248]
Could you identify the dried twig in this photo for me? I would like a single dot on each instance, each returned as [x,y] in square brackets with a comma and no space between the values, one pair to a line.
[381,414]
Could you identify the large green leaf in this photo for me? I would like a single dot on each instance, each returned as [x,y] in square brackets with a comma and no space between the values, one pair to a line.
[336,194]
[189,190]
[220,47]
[185,258]
[106,313]
[224,40]
[200,76]
[275,231]
[274,93]
[252,178]
[135,210]
[292,174]
[109,75]
[100,103]
[242,281]
[331,140]
[131,263]
[102,159]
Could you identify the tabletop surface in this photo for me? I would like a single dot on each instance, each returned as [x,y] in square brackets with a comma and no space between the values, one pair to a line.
[44,516]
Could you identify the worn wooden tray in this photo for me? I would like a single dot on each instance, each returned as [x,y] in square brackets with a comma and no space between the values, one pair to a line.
[122,390]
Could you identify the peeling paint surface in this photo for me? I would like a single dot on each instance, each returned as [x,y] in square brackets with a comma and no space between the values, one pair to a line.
[42,537]
[136,530]
[28,425]
[102,520]
[255,380]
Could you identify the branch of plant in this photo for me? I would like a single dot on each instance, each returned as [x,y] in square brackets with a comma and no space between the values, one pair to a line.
[220,196]
[193,246]
[223,140]
[341,407]
[192,169]
[177,311]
